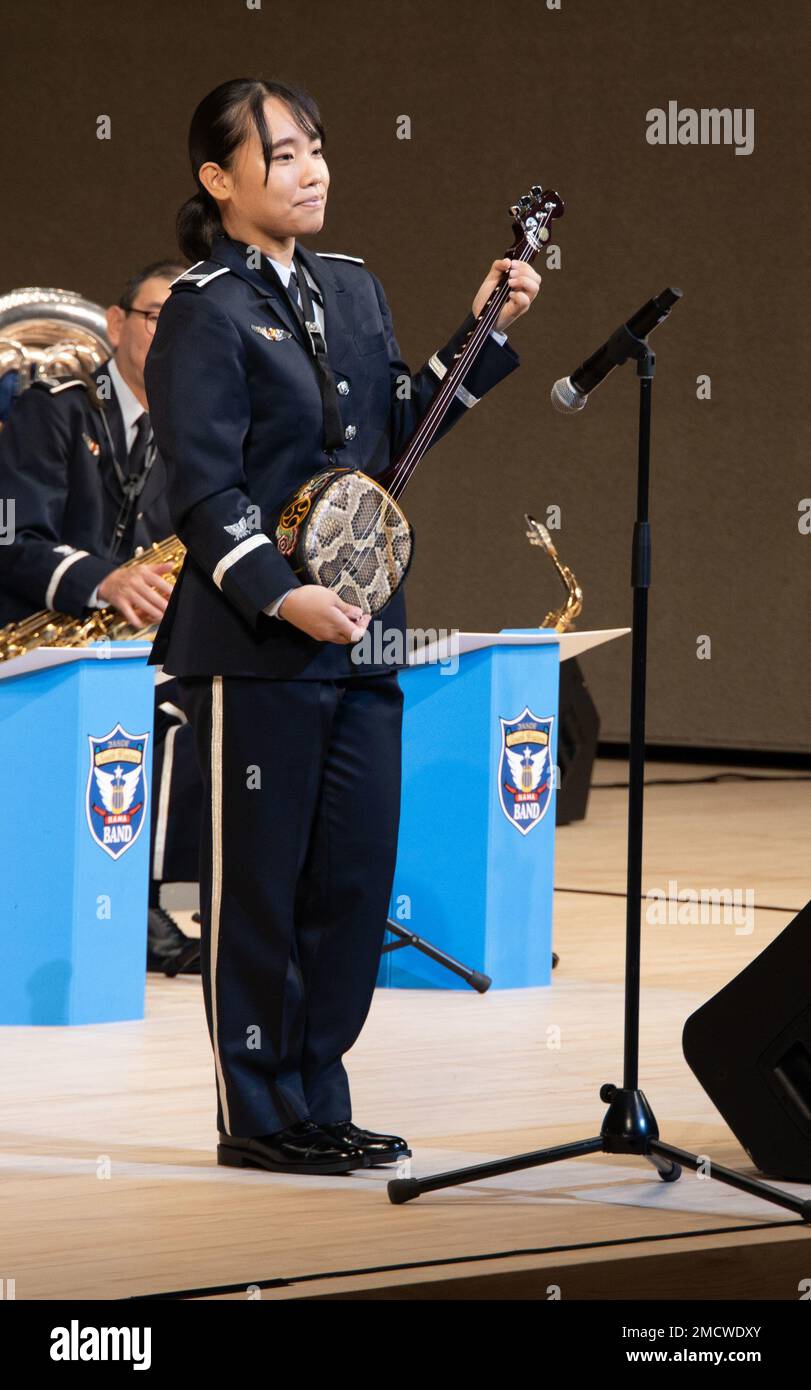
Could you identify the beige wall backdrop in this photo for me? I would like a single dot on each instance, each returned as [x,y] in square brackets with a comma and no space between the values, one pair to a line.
[500,98]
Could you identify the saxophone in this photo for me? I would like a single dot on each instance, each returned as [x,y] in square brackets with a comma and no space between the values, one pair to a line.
[49,629]
[561,619]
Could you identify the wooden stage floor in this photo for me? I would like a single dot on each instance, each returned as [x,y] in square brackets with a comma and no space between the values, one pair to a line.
[110,1187]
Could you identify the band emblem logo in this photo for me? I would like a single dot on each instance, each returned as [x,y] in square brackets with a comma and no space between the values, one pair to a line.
[116,796]
[525,770]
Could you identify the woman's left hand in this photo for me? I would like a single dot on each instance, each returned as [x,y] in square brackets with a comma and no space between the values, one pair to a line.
[524,285]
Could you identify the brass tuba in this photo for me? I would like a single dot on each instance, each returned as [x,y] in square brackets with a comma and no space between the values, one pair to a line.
[50,333]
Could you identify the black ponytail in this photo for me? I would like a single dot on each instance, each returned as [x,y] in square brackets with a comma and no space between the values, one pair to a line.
[198,222]
[218,127]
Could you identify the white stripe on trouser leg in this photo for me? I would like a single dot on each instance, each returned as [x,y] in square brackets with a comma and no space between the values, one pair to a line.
[166,787]
[174,710]
[216,878]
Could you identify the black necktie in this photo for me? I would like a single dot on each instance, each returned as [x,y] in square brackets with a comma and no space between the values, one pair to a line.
[137,453]
[295,293]
[301,296]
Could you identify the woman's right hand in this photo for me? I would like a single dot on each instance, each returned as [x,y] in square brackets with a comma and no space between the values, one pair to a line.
[322,614]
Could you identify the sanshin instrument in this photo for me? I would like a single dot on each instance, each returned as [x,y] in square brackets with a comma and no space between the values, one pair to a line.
[345,530]
[342,529]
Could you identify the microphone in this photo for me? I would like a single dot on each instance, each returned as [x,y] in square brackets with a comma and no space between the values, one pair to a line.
[572,392]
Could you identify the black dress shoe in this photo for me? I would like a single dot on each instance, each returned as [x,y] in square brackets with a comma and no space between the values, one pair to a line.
[168,950]
[301,1148]
[378,1148]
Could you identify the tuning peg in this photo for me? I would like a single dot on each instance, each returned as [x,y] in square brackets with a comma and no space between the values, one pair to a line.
[536,190]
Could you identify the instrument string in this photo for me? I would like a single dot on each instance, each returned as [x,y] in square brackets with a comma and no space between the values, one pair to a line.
[417,446]
[482,330]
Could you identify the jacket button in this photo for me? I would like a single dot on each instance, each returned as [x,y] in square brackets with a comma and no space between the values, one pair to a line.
[343,388]
[350,432]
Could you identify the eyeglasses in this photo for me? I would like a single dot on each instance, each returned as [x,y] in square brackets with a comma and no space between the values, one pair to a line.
[150,315]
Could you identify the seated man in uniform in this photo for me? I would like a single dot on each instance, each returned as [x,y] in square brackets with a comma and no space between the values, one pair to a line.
[77,457]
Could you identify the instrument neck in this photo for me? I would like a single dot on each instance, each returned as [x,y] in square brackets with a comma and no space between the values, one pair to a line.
[398,475]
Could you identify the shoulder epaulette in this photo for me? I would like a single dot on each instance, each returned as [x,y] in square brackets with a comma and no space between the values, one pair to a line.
[339,256]
[55,384]
[199,274]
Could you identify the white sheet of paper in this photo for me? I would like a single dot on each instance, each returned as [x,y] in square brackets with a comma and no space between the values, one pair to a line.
[571,643]
[40,658]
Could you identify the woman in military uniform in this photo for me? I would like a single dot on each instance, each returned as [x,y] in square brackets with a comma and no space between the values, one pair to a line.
[299,745]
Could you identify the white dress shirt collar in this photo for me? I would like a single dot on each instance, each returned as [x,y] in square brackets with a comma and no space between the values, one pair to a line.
[131,408]
[285,272]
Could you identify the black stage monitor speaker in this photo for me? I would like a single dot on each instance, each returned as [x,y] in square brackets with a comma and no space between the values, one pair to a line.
[578,732]
[750,1048]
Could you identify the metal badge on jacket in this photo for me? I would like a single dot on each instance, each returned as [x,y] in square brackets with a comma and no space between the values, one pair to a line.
[274,335]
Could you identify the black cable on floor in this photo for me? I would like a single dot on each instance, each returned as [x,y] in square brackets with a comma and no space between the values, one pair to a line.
[294,1279]
[695,781]
[617,893]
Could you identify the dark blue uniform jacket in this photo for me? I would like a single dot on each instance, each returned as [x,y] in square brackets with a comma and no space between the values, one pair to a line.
[56,463]
[238,420]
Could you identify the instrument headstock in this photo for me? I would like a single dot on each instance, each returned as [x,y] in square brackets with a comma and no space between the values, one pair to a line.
[532,214]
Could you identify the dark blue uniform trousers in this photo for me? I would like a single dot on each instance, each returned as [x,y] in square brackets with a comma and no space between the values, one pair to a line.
[177,792]
[300,815]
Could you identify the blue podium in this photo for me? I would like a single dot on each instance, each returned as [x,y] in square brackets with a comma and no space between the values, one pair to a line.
[475,860]
[76,749]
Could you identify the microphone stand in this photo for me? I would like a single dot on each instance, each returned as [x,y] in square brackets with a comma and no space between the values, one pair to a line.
[475,978]
[629,1126]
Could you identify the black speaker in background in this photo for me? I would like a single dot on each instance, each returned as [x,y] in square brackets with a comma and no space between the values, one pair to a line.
[578,732]
[750,1048]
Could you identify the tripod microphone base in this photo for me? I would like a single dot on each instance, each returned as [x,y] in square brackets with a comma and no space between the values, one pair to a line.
[629,1127]
[630,1123]
[402,1190]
